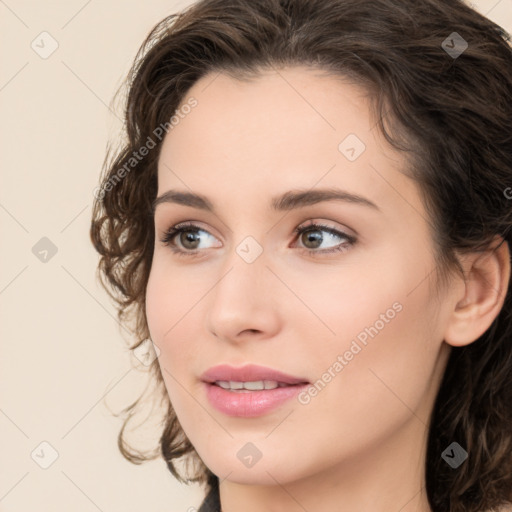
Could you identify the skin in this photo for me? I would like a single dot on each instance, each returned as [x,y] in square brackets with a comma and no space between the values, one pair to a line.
[360,443]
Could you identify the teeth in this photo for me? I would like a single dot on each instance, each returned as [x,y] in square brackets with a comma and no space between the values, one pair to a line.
[254,386]
[249,386]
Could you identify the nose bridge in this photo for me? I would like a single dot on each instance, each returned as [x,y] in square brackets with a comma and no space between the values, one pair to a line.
[240,298]
[244,277]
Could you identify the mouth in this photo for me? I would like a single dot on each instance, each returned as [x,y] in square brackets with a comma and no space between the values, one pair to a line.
[251,390]
[247,387]
[250,377]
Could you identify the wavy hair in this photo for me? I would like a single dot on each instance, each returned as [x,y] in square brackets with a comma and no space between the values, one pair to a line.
[450,114]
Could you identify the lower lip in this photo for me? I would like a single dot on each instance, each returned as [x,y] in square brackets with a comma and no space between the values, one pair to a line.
[252,403]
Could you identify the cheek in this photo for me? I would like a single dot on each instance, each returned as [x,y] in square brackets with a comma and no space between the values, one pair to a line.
[384,353]
[159,305]
[163,314]
[166,308]
[383,318]
[173,306]
[170,295]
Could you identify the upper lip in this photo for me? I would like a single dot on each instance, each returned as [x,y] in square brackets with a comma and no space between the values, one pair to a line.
[248,373]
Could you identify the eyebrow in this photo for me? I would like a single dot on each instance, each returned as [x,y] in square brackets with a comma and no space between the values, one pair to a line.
[290,200]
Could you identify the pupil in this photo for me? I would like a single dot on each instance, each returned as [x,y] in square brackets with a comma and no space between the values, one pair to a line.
[191,237]
[313,236]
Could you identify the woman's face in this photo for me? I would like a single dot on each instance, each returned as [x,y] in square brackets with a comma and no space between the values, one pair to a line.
[346,306]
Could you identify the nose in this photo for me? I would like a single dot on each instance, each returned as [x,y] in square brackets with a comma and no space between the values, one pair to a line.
[244,303]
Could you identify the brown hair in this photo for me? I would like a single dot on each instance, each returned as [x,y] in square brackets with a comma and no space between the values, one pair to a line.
[451,115]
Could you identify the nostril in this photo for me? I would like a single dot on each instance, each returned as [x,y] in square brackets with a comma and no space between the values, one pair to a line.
[252,330]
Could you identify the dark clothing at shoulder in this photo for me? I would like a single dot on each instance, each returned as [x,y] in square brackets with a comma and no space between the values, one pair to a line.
[212,502]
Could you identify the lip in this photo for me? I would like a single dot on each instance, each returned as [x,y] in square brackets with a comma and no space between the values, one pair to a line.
[252,403]
[248,373]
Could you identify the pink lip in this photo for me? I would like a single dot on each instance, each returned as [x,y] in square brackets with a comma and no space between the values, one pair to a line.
[252,403]
[248,373]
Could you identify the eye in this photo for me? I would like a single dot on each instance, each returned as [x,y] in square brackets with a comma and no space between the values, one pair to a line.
[188,236]
[311,237]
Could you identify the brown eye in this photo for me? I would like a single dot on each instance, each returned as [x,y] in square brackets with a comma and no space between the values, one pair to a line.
[311,239]
[189,239]
[186,239]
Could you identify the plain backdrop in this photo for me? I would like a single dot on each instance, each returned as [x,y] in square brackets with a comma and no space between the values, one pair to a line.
[64,363]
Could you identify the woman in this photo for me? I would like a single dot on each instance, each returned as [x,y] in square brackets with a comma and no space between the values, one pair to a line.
[310,219]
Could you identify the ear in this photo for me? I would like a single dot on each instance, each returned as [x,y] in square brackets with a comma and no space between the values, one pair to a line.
[479,301]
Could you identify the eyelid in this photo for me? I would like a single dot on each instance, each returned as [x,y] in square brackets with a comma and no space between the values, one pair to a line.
[193,225]
[315,223]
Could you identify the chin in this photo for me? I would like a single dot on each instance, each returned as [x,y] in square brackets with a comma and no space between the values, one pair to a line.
[253,476]
[263,472]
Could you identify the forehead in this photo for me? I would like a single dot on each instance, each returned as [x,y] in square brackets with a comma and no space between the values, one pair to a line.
[287,128]
[298,109]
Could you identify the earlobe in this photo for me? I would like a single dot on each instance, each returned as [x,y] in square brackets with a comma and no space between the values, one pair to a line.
[487,276]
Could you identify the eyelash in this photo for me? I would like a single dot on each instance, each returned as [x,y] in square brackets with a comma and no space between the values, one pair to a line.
[172,232]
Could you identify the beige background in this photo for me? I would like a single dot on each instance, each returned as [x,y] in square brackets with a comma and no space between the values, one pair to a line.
[64,361]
